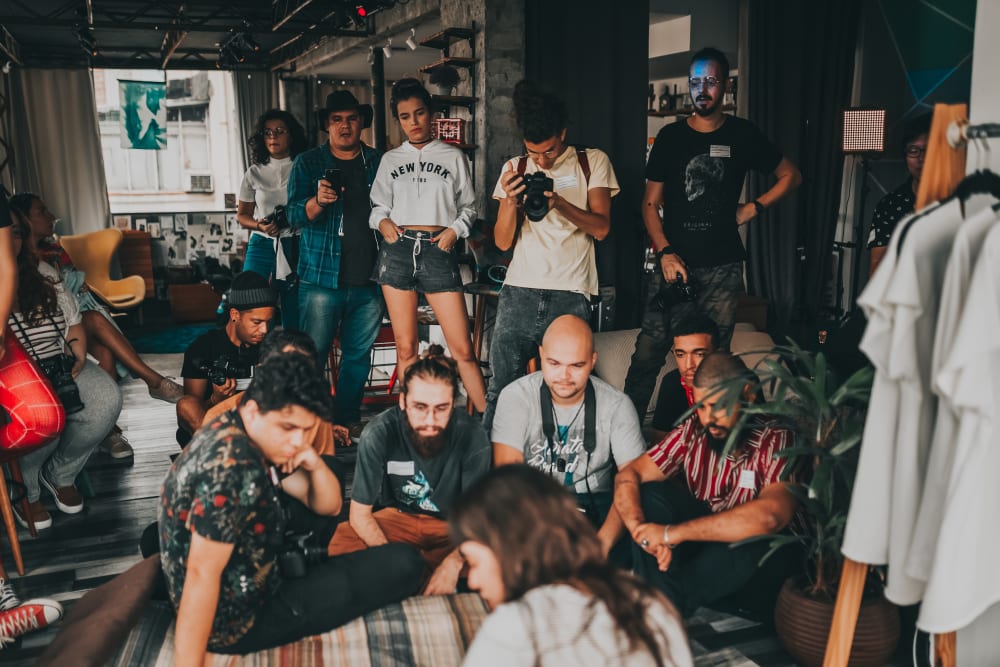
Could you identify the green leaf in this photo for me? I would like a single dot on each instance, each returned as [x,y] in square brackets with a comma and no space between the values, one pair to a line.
[845,445]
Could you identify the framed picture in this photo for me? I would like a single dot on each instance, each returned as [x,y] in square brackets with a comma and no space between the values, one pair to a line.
[181,222]
[232,225]
[123,221]
[166,224]
[154,229]
[140,224]
[230,199]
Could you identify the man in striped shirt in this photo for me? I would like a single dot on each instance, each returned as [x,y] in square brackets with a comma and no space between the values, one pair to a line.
[683,533]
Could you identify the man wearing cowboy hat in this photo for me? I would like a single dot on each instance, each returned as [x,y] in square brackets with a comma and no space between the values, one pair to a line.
[337,249]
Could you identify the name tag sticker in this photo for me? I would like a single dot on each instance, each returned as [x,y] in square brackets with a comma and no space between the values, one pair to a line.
[400,467]
[747,480]
[564,182]
[719,151]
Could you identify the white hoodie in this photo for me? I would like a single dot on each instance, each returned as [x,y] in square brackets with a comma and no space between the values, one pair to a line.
[430,186]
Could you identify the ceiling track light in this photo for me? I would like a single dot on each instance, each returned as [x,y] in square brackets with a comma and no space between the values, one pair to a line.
[387,49]
[371,55]
[411,42]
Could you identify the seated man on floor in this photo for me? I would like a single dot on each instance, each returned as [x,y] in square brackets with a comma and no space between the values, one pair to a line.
[413,462]
[220,362]
[694,337]
[325,436]
[570,425]
[684,532]
[235,578]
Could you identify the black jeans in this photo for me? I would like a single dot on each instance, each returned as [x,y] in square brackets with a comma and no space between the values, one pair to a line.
[332,593]
[702,573]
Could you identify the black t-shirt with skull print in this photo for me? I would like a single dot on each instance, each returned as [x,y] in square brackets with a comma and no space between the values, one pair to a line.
[702,175]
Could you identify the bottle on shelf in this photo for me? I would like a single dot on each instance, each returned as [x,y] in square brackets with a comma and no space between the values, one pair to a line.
[652,98]
[664,98]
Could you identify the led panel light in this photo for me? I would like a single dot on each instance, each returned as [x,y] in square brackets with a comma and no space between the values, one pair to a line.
[864,131]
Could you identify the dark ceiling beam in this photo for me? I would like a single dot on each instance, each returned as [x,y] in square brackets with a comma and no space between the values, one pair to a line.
[172,38]
[9,46]
[187,26]
[290,12]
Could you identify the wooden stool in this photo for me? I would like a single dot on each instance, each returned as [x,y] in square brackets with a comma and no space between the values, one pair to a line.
[8,513]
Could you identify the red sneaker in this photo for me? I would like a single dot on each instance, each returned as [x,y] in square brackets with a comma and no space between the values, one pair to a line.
[30,616]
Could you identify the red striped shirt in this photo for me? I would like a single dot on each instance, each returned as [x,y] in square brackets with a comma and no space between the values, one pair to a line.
[723,483]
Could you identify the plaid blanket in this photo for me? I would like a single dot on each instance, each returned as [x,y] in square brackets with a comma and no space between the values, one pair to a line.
[433,631]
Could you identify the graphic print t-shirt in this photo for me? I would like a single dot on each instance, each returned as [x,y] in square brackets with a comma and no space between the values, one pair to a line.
[390,473]
[702,175]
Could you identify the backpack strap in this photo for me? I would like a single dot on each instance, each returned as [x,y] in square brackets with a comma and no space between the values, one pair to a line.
[522,165]
[581,156]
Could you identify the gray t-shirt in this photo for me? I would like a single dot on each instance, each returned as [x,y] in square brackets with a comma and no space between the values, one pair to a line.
[518,424]
[390,473]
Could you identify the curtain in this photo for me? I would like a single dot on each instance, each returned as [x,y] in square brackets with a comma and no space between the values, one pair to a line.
[596,57]
[798,80]
[57,146]
[255,94]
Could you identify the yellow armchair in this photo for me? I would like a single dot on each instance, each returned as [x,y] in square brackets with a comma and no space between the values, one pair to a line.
[92,253]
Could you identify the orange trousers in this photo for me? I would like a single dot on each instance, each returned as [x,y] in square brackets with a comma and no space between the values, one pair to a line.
[427,534]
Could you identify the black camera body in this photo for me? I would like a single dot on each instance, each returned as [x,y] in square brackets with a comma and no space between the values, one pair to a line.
[333,177]
[277,217]
[59,371]
[297,553]
[225,368]
[675,292]
[536,204]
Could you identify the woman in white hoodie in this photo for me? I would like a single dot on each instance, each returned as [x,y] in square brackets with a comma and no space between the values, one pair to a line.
[422,203]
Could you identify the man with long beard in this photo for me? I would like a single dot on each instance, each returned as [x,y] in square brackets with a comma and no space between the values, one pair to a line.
[684,533]
[695,174]
[413,463]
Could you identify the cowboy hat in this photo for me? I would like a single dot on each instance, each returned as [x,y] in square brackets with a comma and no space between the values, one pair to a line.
[343,100]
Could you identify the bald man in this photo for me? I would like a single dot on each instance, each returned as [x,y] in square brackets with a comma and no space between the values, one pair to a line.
[683,534]
[570,425]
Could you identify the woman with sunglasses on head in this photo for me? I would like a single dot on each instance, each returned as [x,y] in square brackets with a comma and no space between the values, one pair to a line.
[273,250]
[422,204]
[538,564]
[46,320]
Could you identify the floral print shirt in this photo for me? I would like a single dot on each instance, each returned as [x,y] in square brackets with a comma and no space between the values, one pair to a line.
[219,487]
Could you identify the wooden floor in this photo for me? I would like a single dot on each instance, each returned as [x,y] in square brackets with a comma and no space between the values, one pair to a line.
[82,551]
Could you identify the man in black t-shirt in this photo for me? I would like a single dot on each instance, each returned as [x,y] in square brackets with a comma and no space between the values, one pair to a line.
[695,173]
[230,351]
[413,463]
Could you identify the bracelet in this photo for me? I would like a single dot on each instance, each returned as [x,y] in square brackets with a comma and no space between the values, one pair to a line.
[757,205]
[665,250]
[666,536]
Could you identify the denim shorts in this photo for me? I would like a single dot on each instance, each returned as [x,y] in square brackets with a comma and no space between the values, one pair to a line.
[415,263]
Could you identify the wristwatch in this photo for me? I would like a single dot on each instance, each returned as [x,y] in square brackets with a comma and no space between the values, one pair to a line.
[666,250]
[757,205]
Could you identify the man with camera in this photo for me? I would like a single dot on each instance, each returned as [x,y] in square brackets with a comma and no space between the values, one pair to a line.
[695,173]
[413,463]
[221,362]
[239,583]
[687,502]
[569,424]
[328,199]
[554,202]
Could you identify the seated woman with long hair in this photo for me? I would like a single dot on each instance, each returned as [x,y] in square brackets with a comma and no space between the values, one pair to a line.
[46,320]
[537,562]
[105,341]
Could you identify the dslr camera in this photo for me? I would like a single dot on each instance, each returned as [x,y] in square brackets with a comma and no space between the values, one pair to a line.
[297,553]
[277,217]
[676,292]
[59,371]
[224,368]
[536,204]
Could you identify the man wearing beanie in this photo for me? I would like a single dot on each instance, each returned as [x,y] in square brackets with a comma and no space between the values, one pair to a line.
[228,354]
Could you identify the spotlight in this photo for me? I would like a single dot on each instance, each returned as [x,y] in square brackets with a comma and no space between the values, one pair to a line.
[6,67]
[371,55]
[85,36]
[864,131]
[387,49]
[410,42]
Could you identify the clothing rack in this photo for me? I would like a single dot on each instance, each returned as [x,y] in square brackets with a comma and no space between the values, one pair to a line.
[960,132]
[943,170]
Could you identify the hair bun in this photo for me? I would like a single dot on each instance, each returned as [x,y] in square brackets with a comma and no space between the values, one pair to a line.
[433,351]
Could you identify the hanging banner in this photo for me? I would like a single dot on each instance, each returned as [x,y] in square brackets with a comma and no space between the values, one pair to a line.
[144,114]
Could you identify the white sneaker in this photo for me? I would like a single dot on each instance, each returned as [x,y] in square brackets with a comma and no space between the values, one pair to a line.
[8,599]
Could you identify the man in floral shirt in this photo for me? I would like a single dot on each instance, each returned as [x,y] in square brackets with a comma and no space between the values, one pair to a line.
[222,526]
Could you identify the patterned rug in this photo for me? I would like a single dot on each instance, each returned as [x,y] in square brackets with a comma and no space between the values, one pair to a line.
[168,340]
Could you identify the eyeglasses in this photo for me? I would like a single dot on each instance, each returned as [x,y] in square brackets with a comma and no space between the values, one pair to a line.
[708,81]
[276,132]
[916,151]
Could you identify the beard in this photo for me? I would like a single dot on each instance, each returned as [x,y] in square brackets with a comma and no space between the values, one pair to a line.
[717,445]
[427,446]
[709,108]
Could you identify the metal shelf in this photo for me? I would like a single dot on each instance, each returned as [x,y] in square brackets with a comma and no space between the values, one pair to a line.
[448,36]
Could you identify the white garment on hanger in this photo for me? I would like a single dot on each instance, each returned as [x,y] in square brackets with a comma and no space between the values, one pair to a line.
[963,580]
[964,254]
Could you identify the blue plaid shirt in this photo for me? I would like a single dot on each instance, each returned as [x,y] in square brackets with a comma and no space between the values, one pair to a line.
[319,247]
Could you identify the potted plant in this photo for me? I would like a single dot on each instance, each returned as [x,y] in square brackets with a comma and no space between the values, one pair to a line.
[444,79]
[827,415]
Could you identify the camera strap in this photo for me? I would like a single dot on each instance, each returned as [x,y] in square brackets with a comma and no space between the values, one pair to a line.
[31,346]
[589,417]
[522,165]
